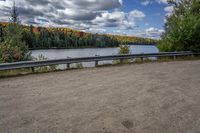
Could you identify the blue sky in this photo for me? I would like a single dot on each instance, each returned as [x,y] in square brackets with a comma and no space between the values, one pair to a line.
[154,12]
[143,18]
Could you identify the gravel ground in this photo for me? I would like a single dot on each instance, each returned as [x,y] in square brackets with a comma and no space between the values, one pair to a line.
[145,98]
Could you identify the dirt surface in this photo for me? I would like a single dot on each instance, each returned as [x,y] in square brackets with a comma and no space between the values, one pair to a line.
[146,98]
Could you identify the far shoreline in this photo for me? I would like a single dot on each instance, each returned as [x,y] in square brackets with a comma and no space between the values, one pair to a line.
[59,48]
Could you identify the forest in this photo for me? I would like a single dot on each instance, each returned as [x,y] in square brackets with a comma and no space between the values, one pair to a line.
[45,38]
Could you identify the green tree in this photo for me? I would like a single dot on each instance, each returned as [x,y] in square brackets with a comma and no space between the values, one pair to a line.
[29,38]
[13,48]
[1,33]
[182,27]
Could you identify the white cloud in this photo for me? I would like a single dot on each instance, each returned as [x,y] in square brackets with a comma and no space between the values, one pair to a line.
[86,15]
[119,19]
[151,32]
[147,2]
[136,14]
[168,10]
[62,10]
[121,2]
[96,30]
[162,1]
[110,19]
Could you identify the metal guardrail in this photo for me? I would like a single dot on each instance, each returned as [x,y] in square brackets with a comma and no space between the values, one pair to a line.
[68,61]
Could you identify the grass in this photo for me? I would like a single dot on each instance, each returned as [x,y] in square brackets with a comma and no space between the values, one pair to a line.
[18,72]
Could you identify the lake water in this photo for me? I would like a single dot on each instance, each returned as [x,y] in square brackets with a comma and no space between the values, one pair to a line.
[88,52]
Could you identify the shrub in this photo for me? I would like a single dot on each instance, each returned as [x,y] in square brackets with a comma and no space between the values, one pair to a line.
[124,49]
[45,68]
[9,53]
[79,65]
[13,49]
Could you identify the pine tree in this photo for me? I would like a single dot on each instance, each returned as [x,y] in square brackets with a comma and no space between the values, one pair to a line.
[14,14]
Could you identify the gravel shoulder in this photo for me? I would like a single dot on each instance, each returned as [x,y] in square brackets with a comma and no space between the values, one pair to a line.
[141,98]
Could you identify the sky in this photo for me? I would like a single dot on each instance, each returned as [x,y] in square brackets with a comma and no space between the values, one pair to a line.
[142,18]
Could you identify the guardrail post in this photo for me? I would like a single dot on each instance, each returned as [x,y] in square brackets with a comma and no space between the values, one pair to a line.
[96,62]
[33,69]
[142,59]
[121,61]
[68,64]
[174,57]
[192,55]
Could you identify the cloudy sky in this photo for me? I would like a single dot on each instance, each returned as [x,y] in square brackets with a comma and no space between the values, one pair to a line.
[143,18]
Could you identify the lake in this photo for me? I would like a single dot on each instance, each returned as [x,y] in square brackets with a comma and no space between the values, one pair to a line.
[88,52]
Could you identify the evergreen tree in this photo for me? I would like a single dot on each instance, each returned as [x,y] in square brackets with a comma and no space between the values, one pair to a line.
[14,14]
[1,33]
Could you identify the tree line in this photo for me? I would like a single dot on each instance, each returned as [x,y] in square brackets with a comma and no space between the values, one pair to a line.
[44,38]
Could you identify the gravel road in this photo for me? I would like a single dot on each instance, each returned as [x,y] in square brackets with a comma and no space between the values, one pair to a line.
[142,98]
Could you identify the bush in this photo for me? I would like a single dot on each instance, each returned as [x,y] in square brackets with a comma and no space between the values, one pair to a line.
[13,49]
[9,54]
[44,68]
[124,49]
[79,65]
